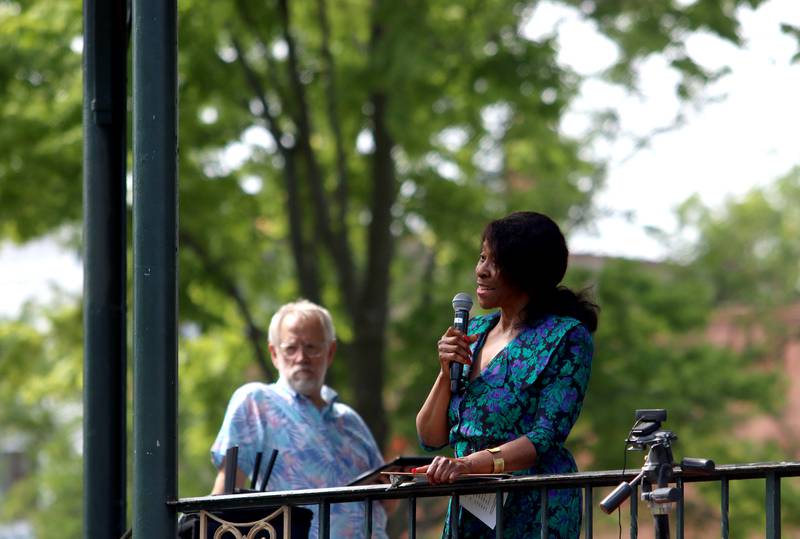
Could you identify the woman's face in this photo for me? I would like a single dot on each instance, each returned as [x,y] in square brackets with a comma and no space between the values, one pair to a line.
[493,290]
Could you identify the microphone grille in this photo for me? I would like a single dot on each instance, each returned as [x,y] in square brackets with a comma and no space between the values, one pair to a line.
[462,302]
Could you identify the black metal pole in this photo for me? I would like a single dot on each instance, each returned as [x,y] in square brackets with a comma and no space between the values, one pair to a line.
[724,505]
[773,506]
[661,524]
[155,245]
[104,268]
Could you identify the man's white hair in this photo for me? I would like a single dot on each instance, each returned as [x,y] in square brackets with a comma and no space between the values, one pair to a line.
[305,310]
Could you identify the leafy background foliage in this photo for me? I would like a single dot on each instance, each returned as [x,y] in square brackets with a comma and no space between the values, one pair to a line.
[451,113]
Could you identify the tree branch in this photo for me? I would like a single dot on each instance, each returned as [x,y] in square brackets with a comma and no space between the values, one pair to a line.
[306,265]
[263,38]
[384,194]
[336,241]
[331,100]
[214,269]
[380,244]
[373,303]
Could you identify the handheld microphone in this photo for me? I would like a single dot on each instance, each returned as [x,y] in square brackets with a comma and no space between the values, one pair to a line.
[462,303]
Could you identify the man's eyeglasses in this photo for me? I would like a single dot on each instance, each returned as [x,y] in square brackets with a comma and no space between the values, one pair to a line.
[311,350]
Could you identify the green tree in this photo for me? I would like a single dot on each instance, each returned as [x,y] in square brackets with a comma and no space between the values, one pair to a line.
[40,85]
[748,248]
[40,406]
[743,264]
[360,105]
[391,128]
[455,110]
[651,352]
[349,153]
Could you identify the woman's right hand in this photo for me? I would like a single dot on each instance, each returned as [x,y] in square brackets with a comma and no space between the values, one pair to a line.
[432,427]
[454,346]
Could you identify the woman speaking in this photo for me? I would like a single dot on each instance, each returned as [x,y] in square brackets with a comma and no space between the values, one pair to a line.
[529,363]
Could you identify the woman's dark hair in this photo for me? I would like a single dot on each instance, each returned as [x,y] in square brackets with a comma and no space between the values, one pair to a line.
[532,254]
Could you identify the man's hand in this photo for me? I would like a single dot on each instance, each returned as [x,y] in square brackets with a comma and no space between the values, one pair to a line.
[219,482]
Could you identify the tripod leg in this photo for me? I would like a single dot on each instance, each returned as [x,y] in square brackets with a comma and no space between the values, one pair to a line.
[661,523]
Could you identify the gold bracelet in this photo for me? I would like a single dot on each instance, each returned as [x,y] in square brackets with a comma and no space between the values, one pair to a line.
[498,464]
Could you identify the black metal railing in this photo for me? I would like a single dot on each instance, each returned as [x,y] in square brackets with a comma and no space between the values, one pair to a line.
[770,472]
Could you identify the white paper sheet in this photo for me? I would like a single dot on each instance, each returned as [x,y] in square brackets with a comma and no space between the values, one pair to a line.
[483,506]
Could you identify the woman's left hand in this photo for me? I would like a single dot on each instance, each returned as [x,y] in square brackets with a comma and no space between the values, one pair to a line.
[444,469]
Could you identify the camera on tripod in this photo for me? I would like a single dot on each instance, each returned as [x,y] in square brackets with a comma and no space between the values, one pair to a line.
[645,429]
[658,470]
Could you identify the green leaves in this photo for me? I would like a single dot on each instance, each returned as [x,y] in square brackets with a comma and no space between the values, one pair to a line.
[451,115]
[40,397]
[748,250]
[40,84]
[793,31]
[651,352]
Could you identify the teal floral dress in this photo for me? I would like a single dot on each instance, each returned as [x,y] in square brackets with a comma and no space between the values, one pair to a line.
[534,387]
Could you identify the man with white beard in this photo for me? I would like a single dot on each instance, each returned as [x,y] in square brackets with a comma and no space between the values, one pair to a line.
[321,442]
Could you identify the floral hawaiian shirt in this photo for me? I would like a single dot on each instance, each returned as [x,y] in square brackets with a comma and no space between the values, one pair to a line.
[317,448]
[534,387]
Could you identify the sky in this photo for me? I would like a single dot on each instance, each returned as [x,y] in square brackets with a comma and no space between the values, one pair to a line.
[746,137]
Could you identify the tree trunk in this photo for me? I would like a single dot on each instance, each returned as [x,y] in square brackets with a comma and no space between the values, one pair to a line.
[370,319]
[367,374]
